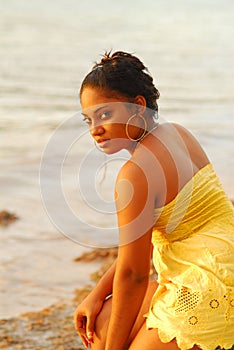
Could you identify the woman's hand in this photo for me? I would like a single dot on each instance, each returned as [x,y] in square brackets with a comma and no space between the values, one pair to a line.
[86,313]
[85,317]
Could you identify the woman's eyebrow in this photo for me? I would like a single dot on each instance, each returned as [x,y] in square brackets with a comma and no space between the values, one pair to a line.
[96,111]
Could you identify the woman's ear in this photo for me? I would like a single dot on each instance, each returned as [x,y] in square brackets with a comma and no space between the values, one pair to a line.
[141,102]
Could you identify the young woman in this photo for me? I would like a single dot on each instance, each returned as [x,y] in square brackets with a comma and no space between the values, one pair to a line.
[171,207]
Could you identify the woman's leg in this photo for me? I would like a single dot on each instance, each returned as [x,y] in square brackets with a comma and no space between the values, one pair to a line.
[101,326]
[140,337]
[144,309]
[148,339]
[102,321]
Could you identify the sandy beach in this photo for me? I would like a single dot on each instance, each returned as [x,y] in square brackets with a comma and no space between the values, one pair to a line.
[52,327]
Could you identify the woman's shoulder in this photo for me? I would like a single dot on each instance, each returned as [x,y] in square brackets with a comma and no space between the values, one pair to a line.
[174,141]
[139,173]
[131,170]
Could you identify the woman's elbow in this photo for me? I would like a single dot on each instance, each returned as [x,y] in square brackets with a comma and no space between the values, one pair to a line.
[134,277]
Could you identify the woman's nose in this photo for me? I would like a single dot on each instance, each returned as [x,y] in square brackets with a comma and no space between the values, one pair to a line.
[97,130]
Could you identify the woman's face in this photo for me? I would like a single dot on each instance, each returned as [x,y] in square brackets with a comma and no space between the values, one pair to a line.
[107,118]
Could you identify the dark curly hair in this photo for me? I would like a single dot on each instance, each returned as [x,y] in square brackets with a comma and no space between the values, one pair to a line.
[123,74]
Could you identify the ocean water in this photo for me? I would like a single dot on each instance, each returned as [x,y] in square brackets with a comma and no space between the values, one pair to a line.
[46,48]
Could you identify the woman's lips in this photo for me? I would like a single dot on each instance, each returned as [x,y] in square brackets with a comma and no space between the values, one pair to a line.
[102,143]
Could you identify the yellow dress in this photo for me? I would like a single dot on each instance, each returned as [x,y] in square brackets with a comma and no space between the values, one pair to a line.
[193,255]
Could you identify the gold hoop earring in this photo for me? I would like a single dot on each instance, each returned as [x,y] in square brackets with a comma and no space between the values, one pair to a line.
[145,127]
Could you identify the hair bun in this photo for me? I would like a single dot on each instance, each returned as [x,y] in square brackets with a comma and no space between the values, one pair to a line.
[121,57]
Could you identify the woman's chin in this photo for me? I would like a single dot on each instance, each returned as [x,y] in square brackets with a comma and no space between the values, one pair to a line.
[113,146]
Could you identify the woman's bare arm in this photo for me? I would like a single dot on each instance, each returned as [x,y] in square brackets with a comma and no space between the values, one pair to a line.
[105,285]
[135,218]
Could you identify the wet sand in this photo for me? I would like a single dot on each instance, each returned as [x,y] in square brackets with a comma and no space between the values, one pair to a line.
[52,327]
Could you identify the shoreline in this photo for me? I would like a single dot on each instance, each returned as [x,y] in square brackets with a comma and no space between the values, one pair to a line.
[52,327]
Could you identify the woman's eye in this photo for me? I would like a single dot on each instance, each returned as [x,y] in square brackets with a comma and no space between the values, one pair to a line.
[87,120]
[104,115]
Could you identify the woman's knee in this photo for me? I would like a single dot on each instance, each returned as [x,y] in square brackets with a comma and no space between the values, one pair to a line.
[101,326]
